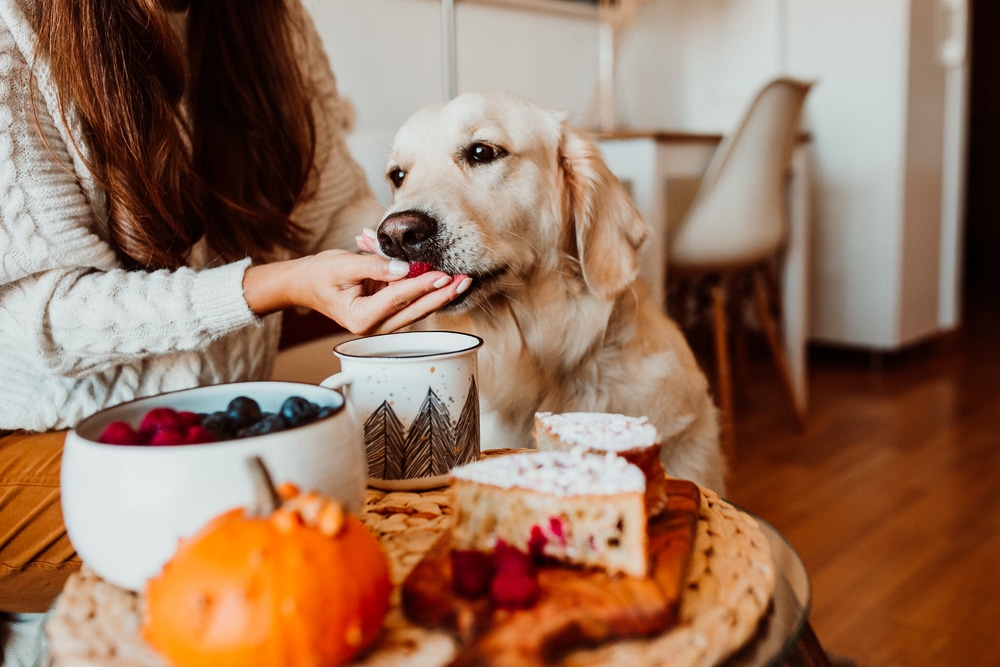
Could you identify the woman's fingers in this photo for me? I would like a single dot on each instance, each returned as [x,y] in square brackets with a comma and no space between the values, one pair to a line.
[368,241]
[366,293]
[369,293]
[428,303]
[406,301]
[345,269]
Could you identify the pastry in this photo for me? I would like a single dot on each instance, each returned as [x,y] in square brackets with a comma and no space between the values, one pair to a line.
[579,508]
[633,438]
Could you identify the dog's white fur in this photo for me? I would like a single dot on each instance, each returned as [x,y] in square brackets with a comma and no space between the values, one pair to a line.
[552,240]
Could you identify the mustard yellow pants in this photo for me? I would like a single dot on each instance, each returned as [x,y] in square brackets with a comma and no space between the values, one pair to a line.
[36,556]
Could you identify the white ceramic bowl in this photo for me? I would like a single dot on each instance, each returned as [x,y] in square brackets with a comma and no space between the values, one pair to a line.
[126,506]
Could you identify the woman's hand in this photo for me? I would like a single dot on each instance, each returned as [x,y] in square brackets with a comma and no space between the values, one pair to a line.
[365,294]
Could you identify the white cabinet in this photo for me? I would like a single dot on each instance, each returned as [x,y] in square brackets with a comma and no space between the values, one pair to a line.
[887,116]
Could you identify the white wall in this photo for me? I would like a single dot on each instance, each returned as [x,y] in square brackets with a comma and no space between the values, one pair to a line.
[878,241]
[858,103]
[688,64]
[730,49]
[387,58]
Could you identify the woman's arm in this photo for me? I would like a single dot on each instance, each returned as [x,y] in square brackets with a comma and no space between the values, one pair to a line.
[65,302]
[336,283]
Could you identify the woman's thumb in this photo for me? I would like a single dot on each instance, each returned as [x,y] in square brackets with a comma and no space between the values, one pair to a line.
[395,268]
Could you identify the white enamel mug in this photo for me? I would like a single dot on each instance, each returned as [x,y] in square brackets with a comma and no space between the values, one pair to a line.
[416,394]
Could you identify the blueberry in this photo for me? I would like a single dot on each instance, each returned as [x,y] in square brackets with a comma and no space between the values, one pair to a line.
[327,411]
[220,424]
[298,411]
[269,423]
[244,411]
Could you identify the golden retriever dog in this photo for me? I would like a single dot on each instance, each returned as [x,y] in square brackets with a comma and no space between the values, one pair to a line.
[500,188]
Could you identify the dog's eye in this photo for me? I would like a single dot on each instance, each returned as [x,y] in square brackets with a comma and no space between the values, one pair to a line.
[396,176]
[480,153]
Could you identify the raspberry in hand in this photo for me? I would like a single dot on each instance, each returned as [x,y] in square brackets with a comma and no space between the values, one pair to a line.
[418,268]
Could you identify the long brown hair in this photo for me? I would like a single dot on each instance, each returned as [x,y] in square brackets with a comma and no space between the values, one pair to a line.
[234,169]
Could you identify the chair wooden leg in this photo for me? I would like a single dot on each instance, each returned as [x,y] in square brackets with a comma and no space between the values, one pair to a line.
[768,270]
[774,342]
[678,305]
[738,296]
[723,370]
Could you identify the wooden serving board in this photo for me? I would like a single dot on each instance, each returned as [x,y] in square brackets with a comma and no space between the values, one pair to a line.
[575,607]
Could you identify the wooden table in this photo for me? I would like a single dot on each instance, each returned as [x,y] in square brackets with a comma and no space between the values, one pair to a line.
[662,169]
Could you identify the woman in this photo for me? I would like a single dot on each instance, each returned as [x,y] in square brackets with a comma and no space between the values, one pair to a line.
[171,175]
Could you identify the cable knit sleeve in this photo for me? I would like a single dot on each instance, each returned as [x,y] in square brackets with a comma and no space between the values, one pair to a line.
[62,296]
[343,201]
[78,333]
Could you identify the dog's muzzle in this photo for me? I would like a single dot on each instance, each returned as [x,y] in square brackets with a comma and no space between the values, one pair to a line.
[409,235]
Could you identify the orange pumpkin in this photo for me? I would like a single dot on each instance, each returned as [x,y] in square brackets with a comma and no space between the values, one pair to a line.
[301,585]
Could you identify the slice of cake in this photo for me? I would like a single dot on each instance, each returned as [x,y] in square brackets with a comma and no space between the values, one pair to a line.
[633,438]
[576,507]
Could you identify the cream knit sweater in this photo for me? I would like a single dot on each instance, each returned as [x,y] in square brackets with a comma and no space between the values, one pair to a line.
[78,332]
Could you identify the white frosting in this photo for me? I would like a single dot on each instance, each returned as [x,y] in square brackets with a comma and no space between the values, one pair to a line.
[600,430]
[569,473]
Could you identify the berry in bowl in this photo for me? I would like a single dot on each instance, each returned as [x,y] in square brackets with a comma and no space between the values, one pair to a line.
[242,418]
[140,476]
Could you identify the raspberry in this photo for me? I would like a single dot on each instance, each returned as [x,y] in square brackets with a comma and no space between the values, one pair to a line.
[197,434]
[536,544]
[160,419]
[120,433]
[514,590]
[166,437]
[189,419]
[418,268]
[508,558]
[471,573]
[515,585]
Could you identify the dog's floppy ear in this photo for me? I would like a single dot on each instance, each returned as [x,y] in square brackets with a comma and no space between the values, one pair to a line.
[605,226]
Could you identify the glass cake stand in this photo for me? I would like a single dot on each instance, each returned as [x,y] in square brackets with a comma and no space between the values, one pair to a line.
[782,628]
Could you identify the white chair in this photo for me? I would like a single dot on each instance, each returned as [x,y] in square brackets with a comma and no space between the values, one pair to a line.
[735,230]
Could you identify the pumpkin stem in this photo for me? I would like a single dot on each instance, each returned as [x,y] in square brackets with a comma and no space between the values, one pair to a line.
[266,498]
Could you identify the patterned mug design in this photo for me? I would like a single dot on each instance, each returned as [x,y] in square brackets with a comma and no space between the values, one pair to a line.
[416,395]
[432,445]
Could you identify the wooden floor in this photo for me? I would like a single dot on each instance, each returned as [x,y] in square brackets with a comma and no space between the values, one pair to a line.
[890,494]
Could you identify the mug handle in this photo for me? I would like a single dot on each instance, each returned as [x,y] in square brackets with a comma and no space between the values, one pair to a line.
[340,380]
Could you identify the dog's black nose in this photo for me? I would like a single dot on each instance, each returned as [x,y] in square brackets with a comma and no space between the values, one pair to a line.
[408,235]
